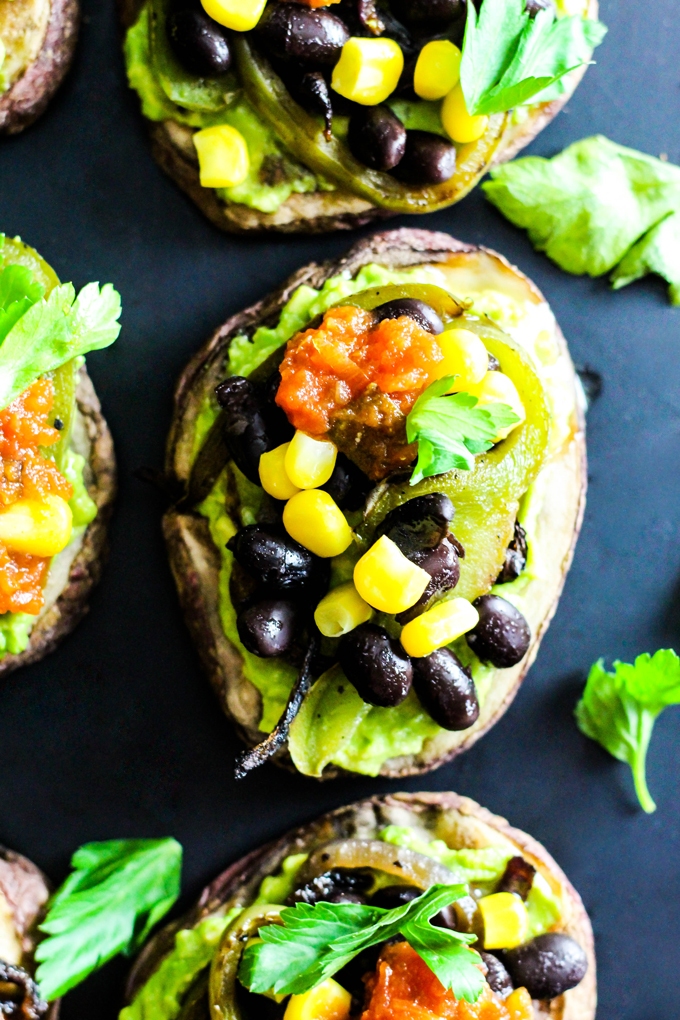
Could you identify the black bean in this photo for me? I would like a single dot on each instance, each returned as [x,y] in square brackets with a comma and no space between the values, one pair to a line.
[419,311]
[497,977]
[463,915]
[534,6]
[548,965]
[199,43]
[419,523]
[341,885]
[515,557]
[377,665]
[429,159]
[429,13]
[376,137]
[502,635]
[245,429]
[268,628]
[391,896]
[442,564]
[348,485]
[277,563]
[290,31]
[243,589]
[446,690]
[314,94]
[275,418]
[518,877]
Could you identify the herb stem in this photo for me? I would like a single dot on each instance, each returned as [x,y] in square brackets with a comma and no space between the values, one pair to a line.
[640,780]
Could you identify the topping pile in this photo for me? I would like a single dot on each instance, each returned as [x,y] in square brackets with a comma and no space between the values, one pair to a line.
[35,519]
[389,619]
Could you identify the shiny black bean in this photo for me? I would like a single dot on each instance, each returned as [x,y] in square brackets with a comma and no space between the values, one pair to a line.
[243,589]
[376,137]
[502,635]
[446,690]
[199,43]
[420,523]
[377,665]
[341,885]
[463,915]
[290,31]
[277,563]
[547,966]
[518,877]
[268,628]
[429,159]
[245,429]
[497,976]
[348,485]
[315,95]
[515,557]
[442,563]
[429,13]
[419,311]
[534,6]
[277,424]
[392,896]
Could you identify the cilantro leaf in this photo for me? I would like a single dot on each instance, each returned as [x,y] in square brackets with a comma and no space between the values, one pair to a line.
[451,429]
[510,59]
[619,709]
[53,331]
[18,291]
[117,892]
[595,205]
[316,941]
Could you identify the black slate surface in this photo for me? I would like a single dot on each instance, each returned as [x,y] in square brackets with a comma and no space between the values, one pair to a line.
[117,734]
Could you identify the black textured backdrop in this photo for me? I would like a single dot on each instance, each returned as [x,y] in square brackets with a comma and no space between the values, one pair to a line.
[117,734]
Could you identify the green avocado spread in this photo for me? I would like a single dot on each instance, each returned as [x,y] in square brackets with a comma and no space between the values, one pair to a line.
[161,997]
[334,726]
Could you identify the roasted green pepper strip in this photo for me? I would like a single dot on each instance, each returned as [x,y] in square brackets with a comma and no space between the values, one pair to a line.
[446,306]
[225,965]
[487,498]
[303,135]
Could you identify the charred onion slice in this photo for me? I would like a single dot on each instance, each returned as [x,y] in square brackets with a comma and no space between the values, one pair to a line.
[26,1003]
[412,868]
[224,969]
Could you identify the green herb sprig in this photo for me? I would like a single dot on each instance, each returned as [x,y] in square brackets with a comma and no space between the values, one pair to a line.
[117,892]
[510,59]
[316,941]
[619,709]
[451,429]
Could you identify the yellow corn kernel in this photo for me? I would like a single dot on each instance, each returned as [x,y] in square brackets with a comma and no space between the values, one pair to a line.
[505,920]
[519,1005]
[439,626]
[497,388]
[458,123]
[239,15]
[341,611]
[273,476]
[368,70]
[387,580]
[310,462]
[315,520]
[465,356]
[437,70]
[37,527]
[328,1001]
[222,156]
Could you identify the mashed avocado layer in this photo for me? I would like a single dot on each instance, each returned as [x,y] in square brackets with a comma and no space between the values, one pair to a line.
[161,997]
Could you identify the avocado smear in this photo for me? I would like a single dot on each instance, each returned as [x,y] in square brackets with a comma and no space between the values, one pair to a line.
[161,997]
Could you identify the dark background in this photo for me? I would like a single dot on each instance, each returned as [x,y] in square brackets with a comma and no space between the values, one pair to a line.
[117,733]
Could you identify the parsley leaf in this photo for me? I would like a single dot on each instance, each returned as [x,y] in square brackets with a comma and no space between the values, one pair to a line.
[117,892]
[451,429]
[595,205]
[619,709]
[510,59]
[18,291]
[316,941]
[54,330]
